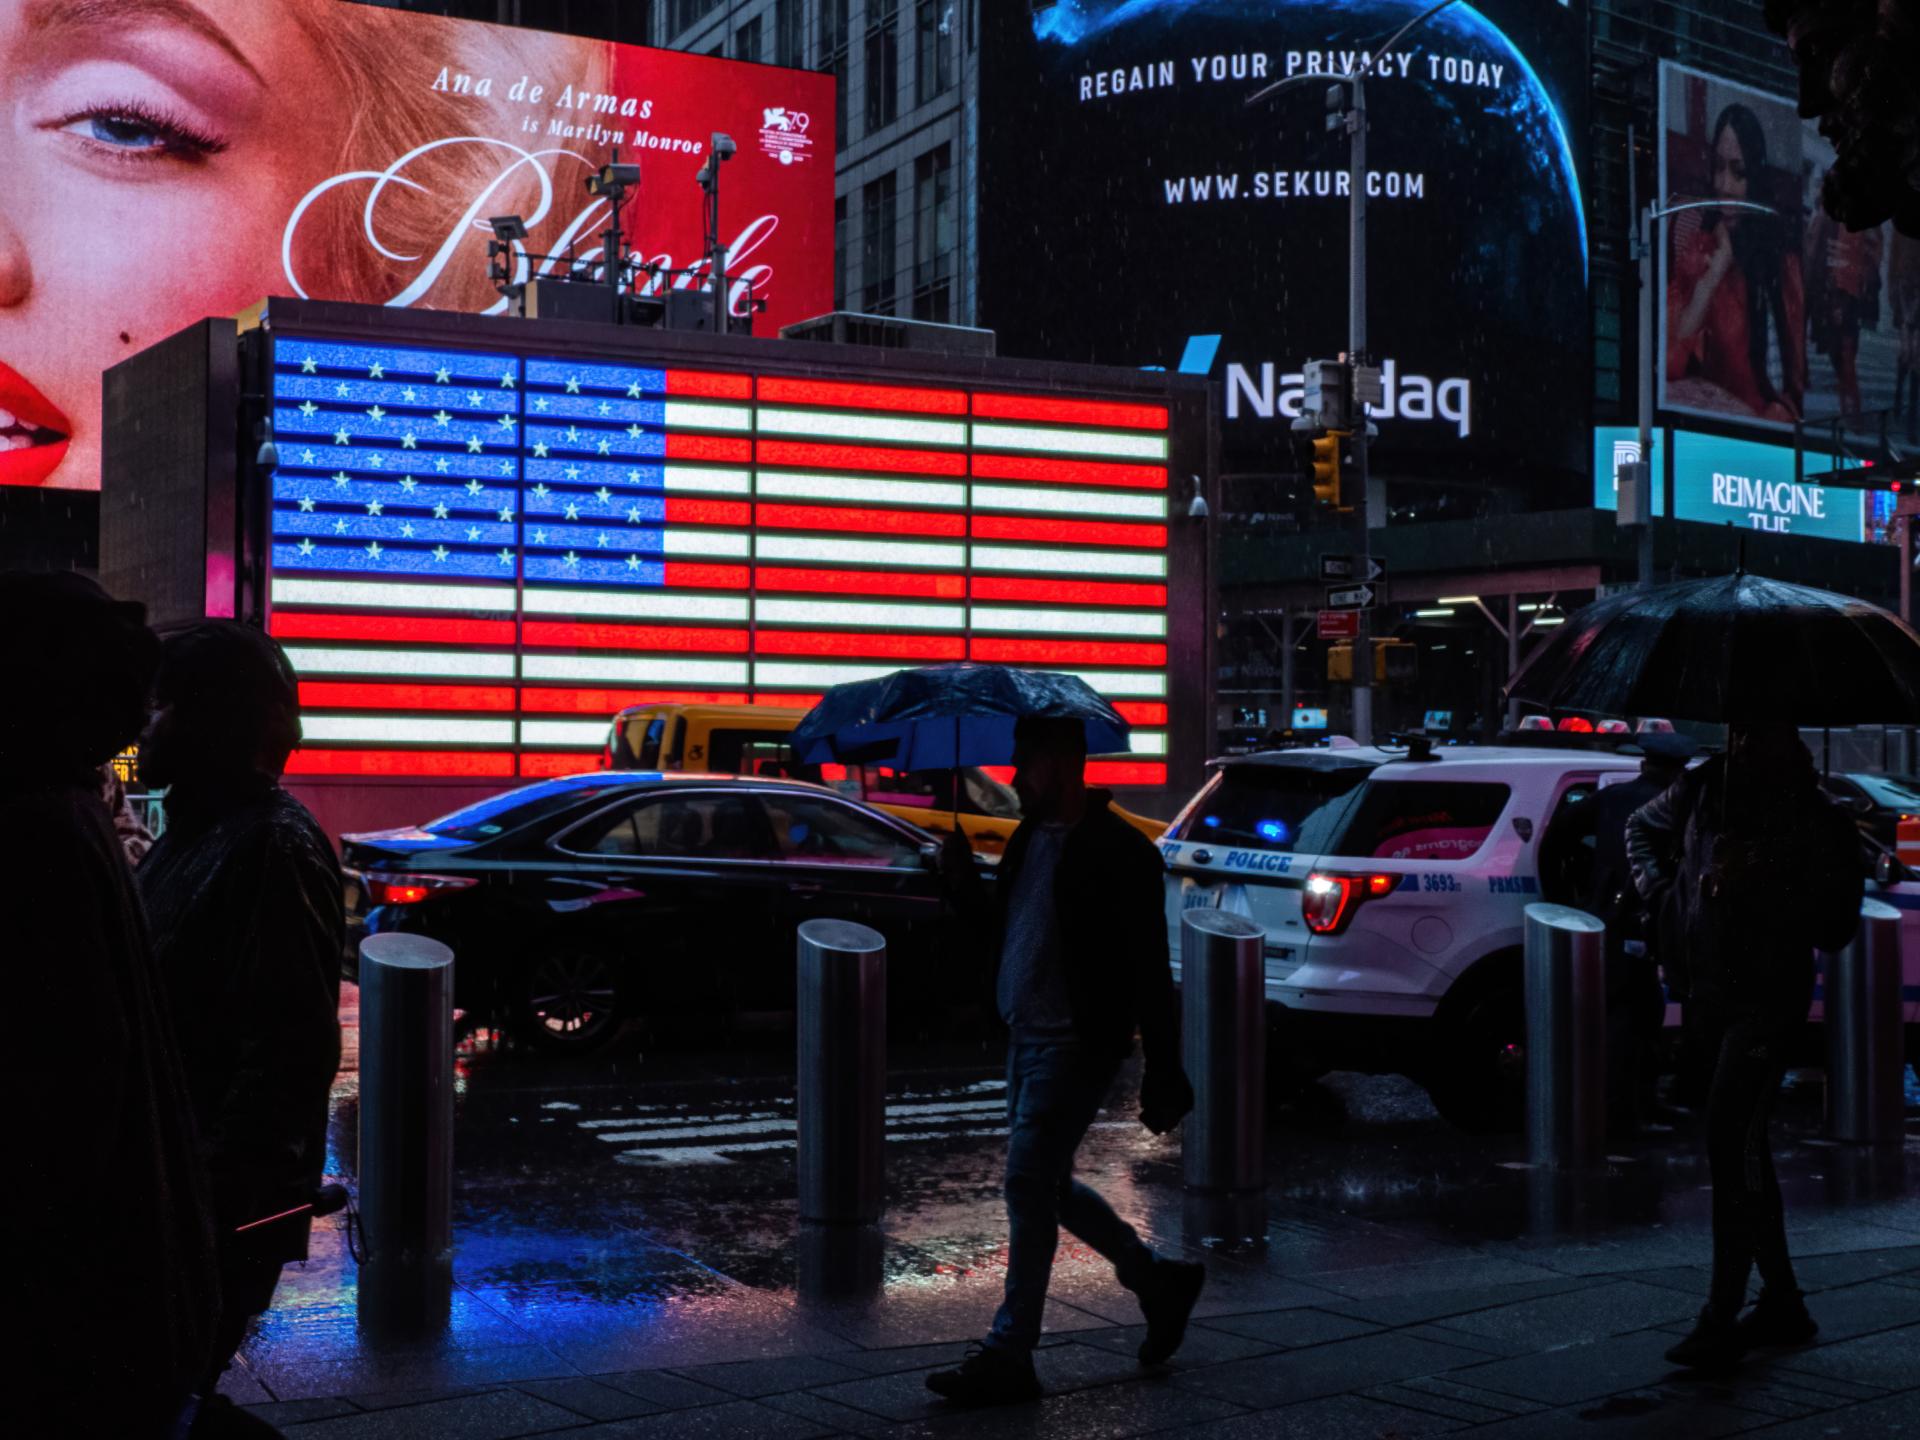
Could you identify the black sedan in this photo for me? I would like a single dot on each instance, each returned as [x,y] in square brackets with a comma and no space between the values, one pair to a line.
[573,905]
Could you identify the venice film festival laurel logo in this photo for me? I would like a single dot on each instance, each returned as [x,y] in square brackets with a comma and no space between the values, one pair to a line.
[783,133]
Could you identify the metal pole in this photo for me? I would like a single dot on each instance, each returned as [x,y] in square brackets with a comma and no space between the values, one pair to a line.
[1356,356]
[1224,1042]
[1566,1000]
[1643,541]
[1865,1051]
[1513,657]
[406,1126]
[1286,671]
[842,1081]
[1905,519]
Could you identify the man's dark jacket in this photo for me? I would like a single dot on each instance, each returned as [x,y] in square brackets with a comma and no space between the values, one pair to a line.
[1744,888]
[245,902]
[1110,903]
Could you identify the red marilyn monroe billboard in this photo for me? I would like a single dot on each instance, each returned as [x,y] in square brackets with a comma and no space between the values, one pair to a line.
[172,159]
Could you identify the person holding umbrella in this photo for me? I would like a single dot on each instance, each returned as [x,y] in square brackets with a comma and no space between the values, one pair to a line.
[1754,868]
[1081,962]
[1078,945]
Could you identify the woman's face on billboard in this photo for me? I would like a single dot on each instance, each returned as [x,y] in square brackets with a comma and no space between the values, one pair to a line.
[149,152]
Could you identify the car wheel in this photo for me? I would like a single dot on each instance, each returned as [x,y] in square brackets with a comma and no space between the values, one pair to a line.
[1478,1075]
[570,1003]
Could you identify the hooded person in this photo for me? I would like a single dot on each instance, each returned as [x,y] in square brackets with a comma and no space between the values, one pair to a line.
[244,897]
[1748,868]
[108,1255]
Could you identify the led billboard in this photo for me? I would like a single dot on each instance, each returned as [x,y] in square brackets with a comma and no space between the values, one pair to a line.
[1770,318]
[1718,480]
[1143,214]
[173,161]
[478,555]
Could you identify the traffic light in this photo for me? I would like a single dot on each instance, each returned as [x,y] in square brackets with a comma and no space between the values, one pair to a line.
[1329,452]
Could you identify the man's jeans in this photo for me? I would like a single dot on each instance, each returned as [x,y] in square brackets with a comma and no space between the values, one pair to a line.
[1053,1093]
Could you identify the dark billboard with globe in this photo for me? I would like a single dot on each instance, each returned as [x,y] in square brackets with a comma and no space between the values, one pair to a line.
[1144,214]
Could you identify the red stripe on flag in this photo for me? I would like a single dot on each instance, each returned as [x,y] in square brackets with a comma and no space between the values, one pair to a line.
[809,642]
[1073,412]
[1125,772]
[863,397]
[789,702]
[708,447]
[1069,592]
[709,512]
[858,457]
[1141,712]
[544,764]
[479,763]
[805,581]
[861,522]
[352,695]
[1070,472]
[706,577]
[579,701]
[583,636]
[408,629]
[1069,652]
[710,383]
[1068,532]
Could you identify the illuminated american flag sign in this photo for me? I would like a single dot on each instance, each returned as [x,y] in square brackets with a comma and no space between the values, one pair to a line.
[477,556]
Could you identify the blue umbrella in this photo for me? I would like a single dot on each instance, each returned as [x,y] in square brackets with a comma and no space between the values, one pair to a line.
[948,717]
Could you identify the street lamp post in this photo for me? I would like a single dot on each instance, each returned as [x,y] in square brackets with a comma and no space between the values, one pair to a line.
[1644,247]
[1356,127]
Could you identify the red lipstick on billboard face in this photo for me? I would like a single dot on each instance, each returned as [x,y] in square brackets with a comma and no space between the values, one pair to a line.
[34,435]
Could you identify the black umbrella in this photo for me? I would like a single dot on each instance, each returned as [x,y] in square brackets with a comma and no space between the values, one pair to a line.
[1734,649]
[942,717]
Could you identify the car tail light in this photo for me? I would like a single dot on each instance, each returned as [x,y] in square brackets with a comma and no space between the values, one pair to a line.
[1331,899]
[412,889]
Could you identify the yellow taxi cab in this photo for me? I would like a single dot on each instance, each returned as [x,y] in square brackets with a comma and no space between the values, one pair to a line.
[752,740]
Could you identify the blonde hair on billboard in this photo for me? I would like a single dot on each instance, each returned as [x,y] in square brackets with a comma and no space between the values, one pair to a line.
[384,74]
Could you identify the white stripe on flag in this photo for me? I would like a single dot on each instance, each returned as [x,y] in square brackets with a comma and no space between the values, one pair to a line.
[542,600]
[1070,622]
[860,613]
[563,732]
[1069,500]
[1126,445]
[327,660]
[860,552]
[1070,562]
[395,729]
[702,480]
[383,595]
[656,671]
[774,421]
[814,674]
[733,543]
[861,489]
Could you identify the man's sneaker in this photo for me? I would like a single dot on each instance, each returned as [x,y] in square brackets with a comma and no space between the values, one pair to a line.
[1714,1344]
[1777,1318]
[987,1376]
[1167,1303]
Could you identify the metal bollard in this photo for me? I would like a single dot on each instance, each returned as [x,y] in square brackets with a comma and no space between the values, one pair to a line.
[1566,1000]
[1866,1104]
[1224,1046]
[406,1125]
[843,1071]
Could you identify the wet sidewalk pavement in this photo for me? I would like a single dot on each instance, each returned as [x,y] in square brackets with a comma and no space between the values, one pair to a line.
[630,1264]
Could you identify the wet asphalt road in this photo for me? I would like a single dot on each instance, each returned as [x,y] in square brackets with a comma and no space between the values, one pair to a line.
[693,1147]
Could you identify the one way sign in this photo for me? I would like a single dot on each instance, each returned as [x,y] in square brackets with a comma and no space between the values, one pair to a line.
[1348,567]
[1350,597]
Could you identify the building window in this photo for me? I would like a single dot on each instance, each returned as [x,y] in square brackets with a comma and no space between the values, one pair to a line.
[746,40]
[934,26]
[840,252]
[883,63]
[936,236]
[878,237]
[835,37]
[789,22]
[682,13]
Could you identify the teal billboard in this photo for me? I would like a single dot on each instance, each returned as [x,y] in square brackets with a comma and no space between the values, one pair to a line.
[1718,481]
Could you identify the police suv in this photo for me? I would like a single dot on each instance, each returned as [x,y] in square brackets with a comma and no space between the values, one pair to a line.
[1392,885]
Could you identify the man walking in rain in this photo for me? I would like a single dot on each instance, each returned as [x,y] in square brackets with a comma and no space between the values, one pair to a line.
[1756,868]
[1080,946]
[245,902]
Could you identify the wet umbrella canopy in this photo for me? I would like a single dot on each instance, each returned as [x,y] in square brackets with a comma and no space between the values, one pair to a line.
[941,717]
[1734,649]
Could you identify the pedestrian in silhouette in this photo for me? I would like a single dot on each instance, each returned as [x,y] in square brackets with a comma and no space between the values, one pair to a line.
[1079,940]
[1636,1004]
[245,900]
[1755,868]
[108,1256]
